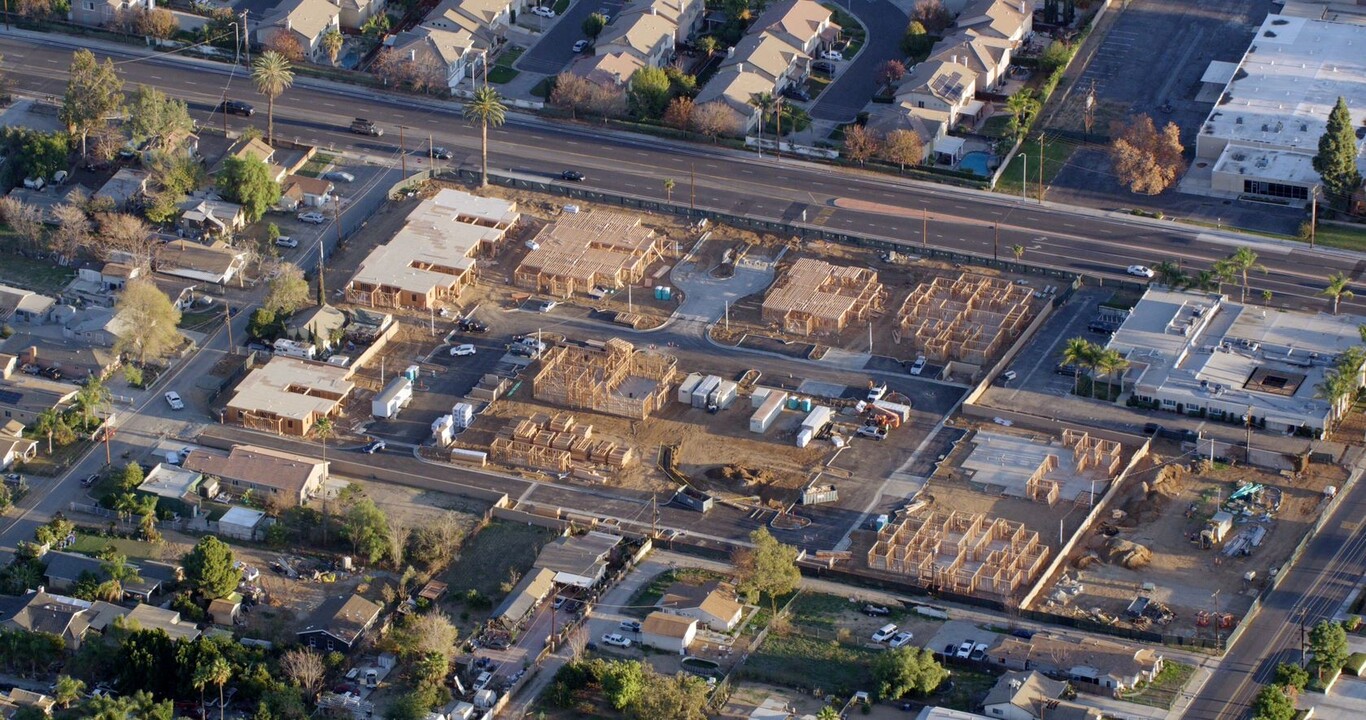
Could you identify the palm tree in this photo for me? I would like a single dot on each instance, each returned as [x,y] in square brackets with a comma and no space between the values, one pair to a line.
[1170,274]
[486,107]
[1242,260]
[1076,353]
[93,396]
[1337,289]
[765,102]
[272,74]
[1018,251]
[323,427]
[708,44]
[1266,297]
[120,575]
[47,422]
[332,44]
[1112,362]
[219,672]
[669,189]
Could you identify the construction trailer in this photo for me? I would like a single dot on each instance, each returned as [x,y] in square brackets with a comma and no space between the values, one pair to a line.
[1216,529]
[721,396]
[702,391]
[686,387]
[395,396]
[616,379]
[813,296]
[966,553]
[443,430]
[967,320]
[763,418]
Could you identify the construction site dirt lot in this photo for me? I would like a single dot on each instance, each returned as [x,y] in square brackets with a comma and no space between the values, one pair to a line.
[1164,511]
[717,452]
[898,279]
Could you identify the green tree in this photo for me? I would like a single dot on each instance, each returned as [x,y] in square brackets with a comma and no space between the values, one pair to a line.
[681,697]
[34,153]
[1336,160]
[648,92]
[272,74]
[828,713]
[150,322]
[264,324]
[332,44]
[1078,352]
[131,477]
[287,291]
[67,691]
[1328,644]
[1292,675]
[917,41]
[94,93]
[767,567]
[218,672]
[765,103]
[153,115]
[1170,274]
[1338,289]
[118,574]
[93,397]
[1273,704]
[1022,106]
[907,670]
[1111,362]
[1243,260]
[409,706]
[593,25]
[622,682]
[367,528]
[669,185]
[209,569]
[247,182]
[486,108]
[1018,251]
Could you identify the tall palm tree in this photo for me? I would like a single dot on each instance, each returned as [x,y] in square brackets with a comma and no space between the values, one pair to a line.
[1170,274]
[765,102]
[48,420]
[219,672]
[669,189]
[1243,260]
[272,74]
[93,396]
[1205,280]
[324,428]
[1076,353]
[1337,289]
[1112,362]
[1018,251]
[120,575]
[487,108]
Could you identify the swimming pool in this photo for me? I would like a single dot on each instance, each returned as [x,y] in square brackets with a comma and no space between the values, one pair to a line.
[975,162]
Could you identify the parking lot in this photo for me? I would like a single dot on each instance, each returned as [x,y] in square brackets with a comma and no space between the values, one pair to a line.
[1036,366]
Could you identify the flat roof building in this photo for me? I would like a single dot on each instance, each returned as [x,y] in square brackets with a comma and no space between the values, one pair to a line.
[287,395]
[432,257]
[1203,354]
[1264,131]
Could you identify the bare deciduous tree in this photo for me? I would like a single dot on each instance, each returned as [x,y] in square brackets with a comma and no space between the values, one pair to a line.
[571,93]
[73,230]
[1145,160]
[933,15]
[304,669]
[23,219]
[714,119]
[121,232]
[903,147]
[287,45]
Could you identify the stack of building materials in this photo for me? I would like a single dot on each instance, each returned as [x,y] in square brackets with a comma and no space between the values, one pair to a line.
[555,443]
[815,421]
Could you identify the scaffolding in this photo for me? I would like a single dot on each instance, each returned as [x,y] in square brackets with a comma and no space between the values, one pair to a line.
[968,319]
[817,297]
[966,553]
[581,251]
[616,379]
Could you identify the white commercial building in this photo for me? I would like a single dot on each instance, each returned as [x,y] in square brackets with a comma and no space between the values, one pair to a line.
[1264,130]
[1203,354]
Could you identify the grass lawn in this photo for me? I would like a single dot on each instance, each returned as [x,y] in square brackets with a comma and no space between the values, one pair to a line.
[487,558]
[509,57]
[643,602]
[198,319]
[1341,237]
[94,544]
[58,462]
[816,84]
[969,688]
[1162,691]
[499,75]
[1056,156]
[542,89]
[995,126]
[1106,389]
[317,164]
[798,660]
[37,275]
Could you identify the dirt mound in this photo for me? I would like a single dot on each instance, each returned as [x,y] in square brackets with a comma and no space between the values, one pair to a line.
[741,475]
[1149,498]
[1127,553]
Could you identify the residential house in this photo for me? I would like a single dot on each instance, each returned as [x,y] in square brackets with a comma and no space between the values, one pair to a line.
[1032,696]
[340,624]
[123,188]
[684,15]
[646,36]
[524,598]
[287,395]
[352,14]
[885,120]
[1092,664]
[24,306]
[99,13]
[612,69]
[14,447]
[241,523]
[225,610]
[255,147]
[100,326]
[489,17]
[941,91]
[987,57]
[712,604]
[578,560]
[313,192]
[41,611]
[178,489]
[23,397]
[181,291]
[307,20]
[668,632]
[321,325]
[734,87]
[217,263]
[64,570]
[211,217]
[20,698]
[1010,20]
[442,43]
[803,24]
[261,471]
[150,617]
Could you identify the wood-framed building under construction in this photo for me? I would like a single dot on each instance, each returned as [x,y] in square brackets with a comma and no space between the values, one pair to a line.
[814,296]
[616,379]
[968,319]
[966,553]
[582,251]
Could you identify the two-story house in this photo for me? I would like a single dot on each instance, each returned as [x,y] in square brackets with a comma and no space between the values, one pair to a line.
[353,14]
[307,20]
[803,24]
[98,13]
[647,36]
[458,52]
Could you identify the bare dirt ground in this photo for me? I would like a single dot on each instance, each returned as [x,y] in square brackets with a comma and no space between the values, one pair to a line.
[717,451]
[1159,516]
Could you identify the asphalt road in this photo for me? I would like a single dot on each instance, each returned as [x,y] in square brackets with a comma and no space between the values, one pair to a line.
[1330,568]
[1091,243]
[856,80]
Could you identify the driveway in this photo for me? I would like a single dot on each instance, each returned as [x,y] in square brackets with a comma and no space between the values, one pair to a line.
[554,51]
[855,80]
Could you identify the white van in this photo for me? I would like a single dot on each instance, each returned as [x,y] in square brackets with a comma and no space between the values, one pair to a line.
[884,632]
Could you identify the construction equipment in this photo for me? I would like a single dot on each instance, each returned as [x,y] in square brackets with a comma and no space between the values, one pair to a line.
[881,417]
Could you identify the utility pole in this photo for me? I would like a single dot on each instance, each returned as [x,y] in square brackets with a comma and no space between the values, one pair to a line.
[1024,176]
[322,289]
[1041,159]
[692,186]
[227,320]
[1313,216]
[996,241]
[246,38]
[431,151]
[402,153]
[336,220]
[654,517]
[1249,435]
[1089,118]
[924,227]
[1217,643]
[778,131]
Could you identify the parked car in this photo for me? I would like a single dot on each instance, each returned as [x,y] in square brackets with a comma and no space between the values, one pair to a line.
[793,92]
[630,625]
[824,66]
[373,447]
[339,176]
[876,392]
[979,651]
[543,11]
[1140,271]
[173,399]
[580,46]
[884,633]
[286,241]
[52,373]
[313,218]
[1066,369]
[572,176]
[236,107]
[901,639]
[470,325]
[919,366]
[441,153]
[876,611]
[1008,376]
[91,480]
[546,306]
[616,640]
[832,55]
[361,126]
[964,650]
[462,350]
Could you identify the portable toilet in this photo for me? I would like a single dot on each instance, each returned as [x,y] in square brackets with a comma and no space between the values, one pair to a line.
[793,403]
[806,405]
[666,293]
